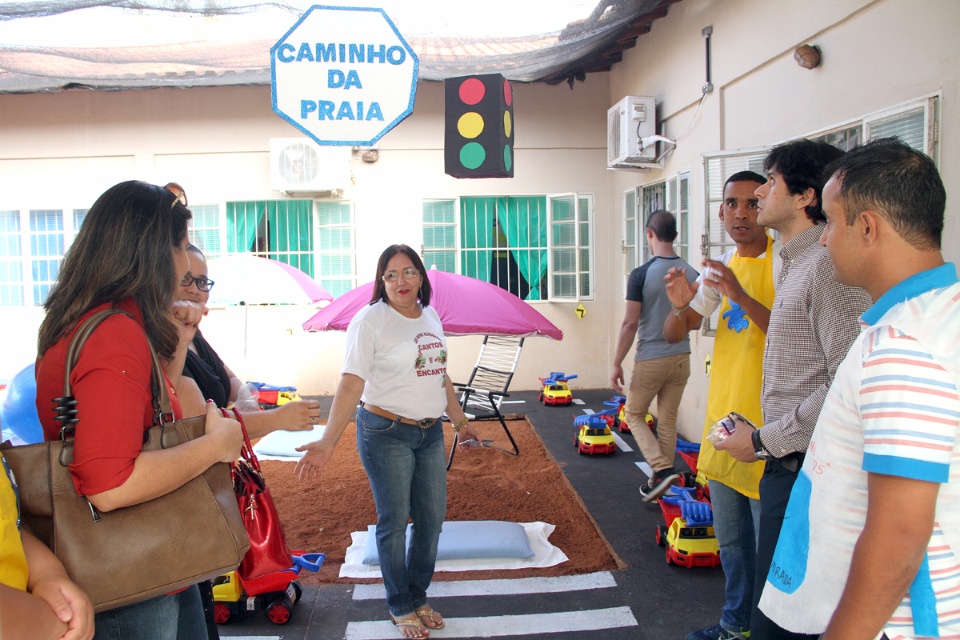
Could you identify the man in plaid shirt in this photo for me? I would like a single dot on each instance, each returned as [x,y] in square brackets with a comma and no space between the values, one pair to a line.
[812,325]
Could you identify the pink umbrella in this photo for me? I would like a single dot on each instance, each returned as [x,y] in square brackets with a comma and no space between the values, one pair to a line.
[467,306]
[249,279]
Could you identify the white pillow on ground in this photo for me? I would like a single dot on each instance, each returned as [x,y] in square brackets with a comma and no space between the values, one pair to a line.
[284,443]
[467,539]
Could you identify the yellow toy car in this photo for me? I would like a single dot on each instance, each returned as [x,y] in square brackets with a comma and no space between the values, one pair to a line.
[269,396]
[594,435]
[555,390]
[688,533]
[231,597]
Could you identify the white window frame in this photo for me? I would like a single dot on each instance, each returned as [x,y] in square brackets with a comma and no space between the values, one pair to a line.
[580,244]
[676,199]
[628,246]
[324,279]
[45,249]
[455,225]
[718,166]
[27,285]
[218,231]
[13,262]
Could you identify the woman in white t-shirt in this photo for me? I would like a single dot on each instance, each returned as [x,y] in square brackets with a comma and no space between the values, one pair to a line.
[395,365]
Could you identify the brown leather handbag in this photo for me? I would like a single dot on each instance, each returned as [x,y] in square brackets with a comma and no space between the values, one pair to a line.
[131,554]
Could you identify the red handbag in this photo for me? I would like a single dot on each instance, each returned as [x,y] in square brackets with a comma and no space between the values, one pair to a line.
[268,547]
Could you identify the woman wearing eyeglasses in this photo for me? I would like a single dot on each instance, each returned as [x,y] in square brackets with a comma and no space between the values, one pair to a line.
[215,379]
[219,384]
[395,365]
[129,255]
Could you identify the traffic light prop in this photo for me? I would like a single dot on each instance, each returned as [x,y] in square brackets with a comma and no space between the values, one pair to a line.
[478,133]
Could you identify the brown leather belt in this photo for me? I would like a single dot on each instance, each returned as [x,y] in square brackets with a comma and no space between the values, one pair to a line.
[426,423]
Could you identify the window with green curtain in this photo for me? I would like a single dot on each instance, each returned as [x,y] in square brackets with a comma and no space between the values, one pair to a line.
[335,250]
[46,250]
[440,235]
[278,229]
[503,240]
[11,265]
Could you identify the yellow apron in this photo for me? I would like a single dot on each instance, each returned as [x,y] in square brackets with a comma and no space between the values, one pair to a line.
[737,372]
[13,562]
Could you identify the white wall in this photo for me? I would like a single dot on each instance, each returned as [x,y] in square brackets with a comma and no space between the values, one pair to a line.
[60,151]
[875,55]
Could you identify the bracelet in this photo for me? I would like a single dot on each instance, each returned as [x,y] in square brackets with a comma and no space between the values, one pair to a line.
[677,312]
[460,425]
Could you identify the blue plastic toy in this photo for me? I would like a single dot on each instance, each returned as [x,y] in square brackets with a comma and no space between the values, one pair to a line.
[18,411]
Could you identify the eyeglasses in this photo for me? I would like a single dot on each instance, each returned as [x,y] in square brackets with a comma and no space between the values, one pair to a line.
[179,195]
[203,282]
[408,274]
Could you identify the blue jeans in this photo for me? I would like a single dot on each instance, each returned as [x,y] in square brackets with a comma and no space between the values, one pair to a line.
[736,521]
[176,616]
[407,470]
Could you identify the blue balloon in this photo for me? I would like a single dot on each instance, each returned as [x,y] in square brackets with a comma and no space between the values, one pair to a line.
[18,411]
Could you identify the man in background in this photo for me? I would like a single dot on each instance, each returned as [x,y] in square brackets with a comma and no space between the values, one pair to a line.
[660,370]
[741,284]
[813,322]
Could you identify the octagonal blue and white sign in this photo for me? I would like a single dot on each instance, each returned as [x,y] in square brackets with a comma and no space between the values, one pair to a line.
[343,75]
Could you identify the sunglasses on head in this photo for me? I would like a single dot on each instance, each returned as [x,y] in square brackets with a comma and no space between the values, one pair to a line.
[179,194]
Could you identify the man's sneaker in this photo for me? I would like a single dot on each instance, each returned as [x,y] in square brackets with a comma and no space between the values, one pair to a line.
[659,483]
[716,632]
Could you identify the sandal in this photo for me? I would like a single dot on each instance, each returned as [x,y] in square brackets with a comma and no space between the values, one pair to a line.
[426,611]
[413,624]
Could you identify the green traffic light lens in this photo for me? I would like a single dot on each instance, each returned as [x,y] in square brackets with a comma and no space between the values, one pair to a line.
[472,155]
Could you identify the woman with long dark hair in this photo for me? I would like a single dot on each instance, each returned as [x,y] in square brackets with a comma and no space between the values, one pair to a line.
[129,255]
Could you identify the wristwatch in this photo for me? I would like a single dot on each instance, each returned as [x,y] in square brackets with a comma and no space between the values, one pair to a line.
[758,448]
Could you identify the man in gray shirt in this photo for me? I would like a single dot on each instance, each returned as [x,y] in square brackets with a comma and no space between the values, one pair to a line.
[813,322]
[660,369]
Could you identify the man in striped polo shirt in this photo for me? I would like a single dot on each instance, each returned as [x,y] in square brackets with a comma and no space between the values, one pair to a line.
[870,543]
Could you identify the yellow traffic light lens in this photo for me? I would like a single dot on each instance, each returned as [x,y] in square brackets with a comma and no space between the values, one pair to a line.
[470,125]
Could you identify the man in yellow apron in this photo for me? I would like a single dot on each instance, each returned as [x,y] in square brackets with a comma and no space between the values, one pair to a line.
[741,285]
[37,599]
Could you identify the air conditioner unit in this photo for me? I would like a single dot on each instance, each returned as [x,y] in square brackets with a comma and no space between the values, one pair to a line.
[628,123]
[301,166]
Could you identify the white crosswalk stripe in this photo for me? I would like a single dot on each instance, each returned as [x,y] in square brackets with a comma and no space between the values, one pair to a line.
[512,625]
[515,625]
[517,586]
[621,443]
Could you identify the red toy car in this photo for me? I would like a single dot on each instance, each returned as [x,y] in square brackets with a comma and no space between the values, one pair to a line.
[275,593]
